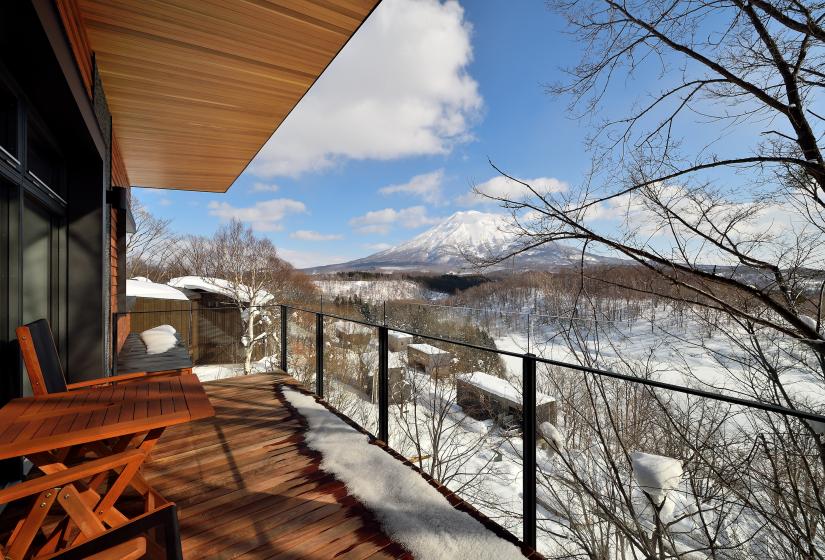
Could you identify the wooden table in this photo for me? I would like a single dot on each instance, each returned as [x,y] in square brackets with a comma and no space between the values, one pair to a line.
[90,446]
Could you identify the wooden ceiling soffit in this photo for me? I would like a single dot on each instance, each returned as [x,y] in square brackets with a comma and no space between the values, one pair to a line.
[196,87]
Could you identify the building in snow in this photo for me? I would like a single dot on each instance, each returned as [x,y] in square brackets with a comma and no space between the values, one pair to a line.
[399,341]
[353,334]
[484,396]
[429,359]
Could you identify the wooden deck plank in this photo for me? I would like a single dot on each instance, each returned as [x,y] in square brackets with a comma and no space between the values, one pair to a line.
[247,485]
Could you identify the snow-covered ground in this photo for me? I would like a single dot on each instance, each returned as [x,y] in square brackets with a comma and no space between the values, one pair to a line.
[224,371]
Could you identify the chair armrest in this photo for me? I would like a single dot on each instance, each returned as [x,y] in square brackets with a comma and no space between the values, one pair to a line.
[122,378]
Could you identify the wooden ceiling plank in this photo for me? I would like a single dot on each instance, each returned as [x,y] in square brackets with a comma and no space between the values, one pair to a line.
[197,87]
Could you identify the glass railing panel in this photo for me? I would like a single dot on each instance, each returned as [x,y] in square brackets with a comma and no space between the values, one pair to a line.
[351,371]
[301,347]
[438,424]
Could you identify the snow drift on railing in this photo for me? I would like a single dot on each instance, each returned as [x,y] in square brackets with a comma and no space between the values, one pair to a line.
[411,511]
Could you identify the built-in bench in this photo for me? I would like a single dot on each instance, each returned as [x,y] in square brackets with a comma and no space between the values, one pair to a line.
[133,357]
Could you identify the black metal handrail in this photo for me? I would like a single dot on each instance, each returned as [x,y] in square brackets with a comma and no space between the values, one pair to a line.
[529,362]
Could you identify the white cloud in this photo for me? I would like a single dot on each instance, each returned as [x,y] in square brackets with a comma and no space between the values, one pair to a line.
[308,235]
[503,187]
[377,247]
[266,215]
[427,187]
[165,201]
[265,187]
[382,221]
[399,88]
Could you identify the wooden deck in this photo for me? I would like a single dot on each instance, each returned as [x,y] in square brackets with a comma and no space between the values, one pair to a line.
[247,486]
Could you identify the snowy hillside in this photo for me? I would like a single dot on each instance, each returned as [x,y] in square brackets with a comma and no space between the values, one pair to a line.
[447,246]
[376,291]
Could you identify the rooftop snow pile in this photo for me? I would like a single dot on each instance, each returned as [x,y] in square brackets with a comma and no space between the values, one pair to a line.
[429,349]
[655,474]
[144,288]
[243,293]
[410,510]
[499,387]
[159,339]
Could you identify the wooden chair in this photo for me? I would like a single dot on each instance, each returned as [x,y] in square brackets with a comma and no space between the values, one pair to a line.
[43,363]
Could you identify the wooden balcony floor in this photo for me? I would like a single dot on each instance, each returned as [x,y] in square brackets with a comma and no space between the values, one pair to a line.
[247,486]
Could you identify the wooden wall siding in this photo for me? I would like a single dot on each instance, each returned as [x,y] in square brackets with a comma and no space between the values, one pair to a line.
[84,56]
[123,329]
[197,86]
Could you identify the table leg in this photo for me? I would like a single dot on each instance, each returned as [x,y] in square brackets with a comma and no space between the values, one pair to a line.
[27,531]
[80,513]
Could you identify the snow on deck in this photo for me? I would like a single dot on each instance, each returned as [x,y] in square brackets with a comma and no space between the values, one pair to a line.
[144,288]
[499,387]
[410,510]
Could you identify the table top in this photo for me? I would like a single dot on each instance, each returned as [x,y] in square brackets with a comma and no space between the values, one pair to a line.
[36,424]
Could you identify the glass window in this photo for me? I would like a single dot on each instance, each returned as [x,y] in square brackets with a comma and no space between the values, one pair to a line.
[8,122]
[43,160]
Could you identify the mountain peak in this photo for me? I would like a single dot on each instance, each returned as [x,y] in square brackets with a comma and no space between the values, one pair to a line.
[446,246]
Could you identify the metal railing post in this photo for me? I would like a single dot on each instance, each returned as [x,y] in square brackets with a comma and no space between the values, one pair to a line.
[528,432]
[319,354]
[383,384]
[283,337]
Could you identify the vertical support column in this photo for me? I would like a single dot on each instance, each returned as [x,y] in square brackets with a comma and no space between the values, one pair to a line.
[528,434]
[383,384]
[115,336]
[284,312]
[319,354]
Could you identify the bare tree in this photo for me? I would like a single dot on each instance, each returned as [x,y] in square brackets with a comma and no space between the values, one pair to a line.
[152,246]
[247,268]
[731,227]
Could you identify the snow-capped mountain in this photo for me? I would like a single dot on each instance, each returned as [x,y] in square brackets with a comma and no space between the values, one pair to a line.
[458,243]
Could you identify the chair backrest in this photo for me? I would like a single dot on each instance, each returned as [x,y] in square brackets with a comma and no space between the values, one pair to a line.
[41,358]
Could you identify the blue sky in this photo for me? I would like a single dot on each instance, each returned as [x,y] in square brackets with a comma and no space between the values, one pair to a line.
[515,49]
[396,133]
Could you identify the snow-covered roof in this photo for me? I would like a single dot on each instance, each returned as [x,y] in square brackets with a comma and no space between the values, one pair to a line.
[429,349]
[223,287]
[144,288]
[499,387]
[400,335]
